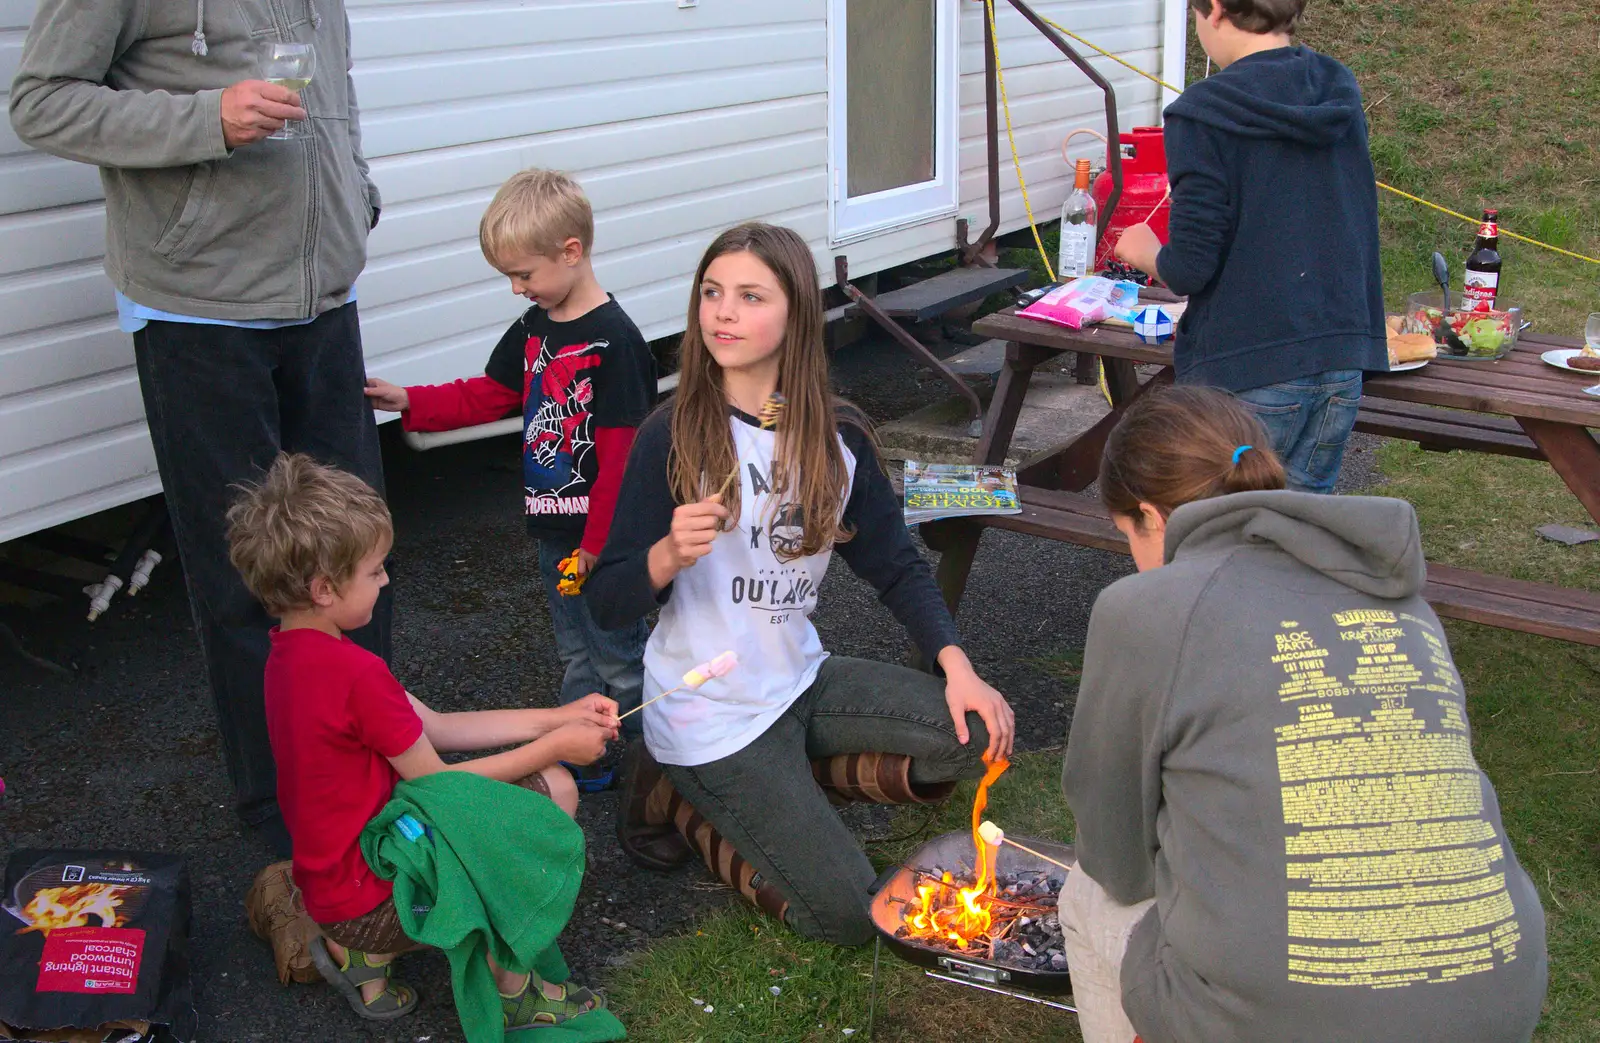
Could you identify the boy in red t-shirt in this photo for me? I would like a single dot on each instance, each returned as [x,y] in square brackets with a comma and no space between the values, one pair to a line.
[310,543]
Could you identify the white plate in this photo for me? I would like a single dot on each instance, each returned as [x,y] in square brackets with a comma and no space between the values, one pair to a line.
[1407,367]
[1558,358]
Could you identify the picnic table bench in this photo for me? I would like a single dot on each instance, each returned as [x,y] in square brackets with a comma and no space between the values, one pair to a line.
[1517,406]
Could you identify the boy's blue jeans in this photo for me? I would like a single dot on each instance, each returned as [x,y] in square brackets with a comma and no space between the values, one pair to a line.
[1309,419]
[610,662]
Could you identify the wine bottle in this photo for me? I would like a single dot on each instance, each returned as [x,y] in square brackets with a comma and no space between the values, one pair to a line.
[1080,219]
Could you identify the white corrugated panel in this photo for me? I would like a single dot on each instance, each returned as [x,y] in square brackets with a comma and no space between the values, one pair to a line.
[687,122]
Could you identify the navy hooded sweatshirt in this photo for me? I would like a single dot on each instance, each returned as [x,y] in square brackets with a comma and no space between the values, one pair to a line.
[1274,228]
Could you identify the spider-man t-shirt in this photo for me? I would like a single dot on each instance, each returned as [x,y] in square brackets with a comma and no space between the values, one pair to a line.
[592,372]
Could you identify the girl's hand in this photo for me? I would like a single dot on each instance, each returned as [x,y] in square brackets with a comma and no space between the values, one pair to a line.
[965,691]
[592,709]
[386,396]
[695,526]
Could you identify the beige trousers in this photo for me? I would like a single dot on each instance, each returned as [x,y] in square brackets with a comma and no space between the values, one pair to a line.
[1096,930]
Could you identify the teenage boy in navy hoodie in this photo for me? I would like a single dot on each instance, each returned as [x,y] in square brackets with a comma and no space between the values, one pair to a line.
[1274,234]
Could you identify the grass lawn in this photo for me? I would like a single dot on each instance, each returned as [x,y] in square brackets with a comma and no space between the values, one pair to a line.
[1535,714]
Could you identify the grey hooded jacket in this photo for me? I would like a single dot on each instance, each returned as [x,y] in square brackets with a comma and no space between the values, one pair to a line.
[1271,741]
[272,230]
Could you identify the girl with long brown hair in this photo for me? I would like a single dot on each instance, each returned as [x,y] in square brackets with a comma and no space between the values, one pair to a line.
[1281,830]
[728,526]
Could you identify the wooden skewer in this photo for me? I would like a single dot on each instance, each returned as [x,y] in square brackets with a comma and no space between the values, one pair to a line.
[647,702]
[1165,196]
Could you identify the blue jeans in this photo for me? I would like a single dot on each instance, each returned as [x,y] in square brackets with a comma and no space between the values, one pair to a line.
[610,662]
[1309,420]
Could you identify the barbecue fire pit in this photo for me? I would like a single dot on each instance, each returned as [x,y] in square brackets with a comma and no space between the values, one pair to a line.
[1002,966]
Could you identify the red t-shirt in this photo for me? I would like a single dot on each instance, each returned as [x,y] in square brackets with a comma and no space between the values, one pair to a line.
[335,715]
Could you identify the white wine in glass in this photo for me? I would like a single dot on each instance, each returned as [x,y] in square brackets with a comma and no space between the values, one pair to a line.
[289,65]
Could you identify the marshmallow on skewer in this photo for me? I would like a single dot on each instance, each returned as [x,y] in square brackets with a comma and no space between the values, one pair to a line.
[994,836]
[721,666]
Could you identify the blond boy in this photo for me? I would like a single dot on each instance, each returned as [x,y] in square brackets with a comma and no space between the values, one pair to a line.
[584,379]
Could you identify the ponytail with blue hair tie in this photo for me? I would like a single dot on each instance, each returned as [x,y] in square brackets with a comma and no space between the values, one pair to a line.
[1240,452]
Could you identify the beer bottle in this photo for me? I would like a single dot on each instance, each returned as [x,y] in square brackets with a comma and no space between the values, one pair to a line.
[1483,266]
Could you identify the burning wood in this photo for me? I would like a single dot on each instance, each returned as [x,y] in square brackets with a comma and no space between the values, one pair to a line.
[1009,918]
[1022,929]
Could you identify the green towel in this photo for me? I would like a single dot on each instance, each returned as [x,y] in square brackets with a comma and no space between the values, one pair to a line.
[497,871]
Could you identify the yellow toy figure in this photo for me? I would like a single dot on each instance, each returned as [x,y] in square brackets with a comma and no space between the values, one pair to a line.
[571,583]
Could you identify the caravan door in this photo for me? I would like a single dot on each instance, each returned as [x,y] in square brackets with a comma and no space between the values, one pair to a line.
[893,80]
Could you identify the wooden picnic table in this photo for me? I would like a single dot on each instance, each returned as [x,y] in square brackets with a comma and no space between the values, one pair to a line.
[1516,406]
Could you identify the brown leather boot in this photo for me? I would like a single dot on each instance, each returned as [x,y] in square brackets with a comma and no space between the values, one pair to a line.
[725,863]
[874,778]
[644,822]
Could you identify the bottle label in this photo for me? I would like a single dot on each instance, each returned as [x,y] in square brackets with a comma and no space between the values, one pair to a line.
[1480,290]
[1489,230]
[1077,250]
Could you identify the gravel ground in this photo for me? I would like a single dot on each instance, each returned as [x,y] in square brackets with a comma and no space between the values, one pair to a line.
[124,752]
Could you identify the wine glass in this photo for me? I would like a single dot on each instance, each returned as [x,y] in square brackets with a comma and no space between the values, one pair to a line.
[1591,332]
[289,65]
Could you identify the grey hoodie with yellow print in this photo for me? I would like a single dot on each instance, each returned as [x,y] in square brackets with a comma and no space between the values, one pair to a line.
[271,230]
[1271,741]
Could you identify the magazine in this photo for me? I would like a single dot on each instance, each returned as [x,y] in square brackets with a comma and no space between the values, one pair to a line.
[958,490]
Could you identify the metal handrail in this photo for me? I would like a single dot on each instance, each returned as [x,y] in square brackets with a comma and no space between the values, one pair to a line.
[991,102]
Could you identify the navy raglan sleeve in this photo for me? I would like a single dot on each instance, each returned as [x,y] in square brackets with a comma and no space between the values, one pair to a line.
[625,389]
[618,591]
[1202,223]
[882,553]
[509,359]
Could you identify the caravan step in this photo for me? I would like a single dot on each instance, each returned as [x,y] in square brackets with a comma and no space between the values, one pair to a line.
[946,292]
[982,360]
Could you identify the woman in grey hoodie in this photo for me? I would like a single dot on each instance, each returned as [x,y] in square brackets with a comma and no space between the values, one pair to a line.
[1282,832]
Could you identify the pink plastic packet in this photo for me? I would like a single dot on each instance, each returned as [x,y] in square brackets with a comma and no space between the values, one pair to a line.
[1081,302]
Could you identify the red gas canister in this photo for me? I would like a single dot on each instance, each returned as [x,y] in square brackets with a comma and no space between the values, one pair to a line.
[1144,188]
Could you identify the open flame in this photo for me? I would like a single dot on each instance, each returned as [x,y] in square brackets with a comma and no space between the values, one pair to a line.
[54,908]
[961,918]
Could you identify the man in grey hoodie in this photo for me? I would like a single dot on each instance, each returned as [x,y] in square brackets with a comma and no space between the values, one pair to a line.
[1282,833]
[234,260]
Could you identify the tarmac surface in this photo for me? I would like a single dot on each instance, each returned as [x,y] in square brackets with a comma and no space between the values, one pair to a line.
[124,754]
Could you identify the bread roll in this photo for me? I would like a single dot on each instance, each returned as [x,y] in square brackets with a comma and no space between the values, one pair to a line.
[1410,347]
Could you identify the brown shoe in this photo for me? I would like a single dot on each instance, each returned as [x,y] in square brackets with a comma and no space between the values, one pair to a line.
[644,828]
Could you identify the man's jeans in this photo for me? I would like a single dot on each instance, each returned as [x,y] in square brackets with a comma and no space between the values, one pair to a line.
[1309,419]
[221,403]
[767,804]
[610,662]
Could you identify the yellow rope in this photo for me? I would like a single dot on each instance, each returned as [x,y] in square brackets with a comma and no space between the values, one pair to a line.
[1388,188]
[1016,160]
[1503,231]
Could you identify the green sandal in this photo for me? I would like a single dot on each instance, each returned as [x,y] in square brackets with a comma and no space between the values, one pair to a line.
[531,1008]
[395,1001]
